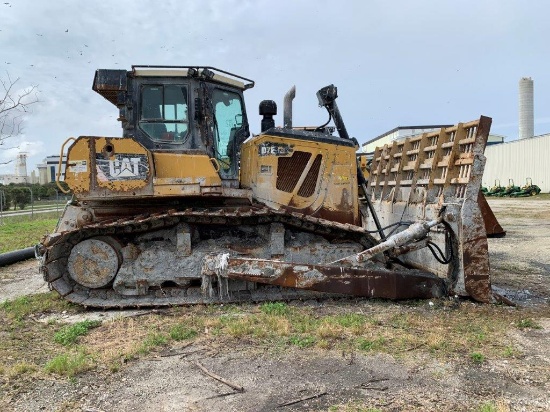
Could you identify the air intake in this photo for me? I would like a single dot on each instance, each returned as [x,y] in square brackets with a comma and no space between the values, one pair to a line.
[290,169]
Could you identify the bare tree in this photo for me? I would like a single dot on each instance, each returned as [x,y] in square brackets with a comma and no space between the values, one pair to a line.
[14,104]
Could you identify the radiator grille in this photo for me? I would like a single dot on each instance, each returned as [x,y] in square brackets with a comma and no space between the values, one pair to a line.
[310,182]
[289,170]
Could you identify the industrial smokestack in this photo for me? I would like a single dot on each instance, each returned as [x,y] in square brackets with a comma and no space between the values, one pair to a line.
[21,165]
[526,110]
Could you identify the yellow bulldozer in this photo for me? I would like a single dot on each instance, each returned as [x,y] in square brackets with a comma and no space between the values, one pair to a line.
[189,207]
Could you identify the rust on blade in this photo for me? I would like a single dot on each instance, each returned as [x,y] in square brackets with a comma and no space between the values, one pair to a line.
[371,282]
[476,269]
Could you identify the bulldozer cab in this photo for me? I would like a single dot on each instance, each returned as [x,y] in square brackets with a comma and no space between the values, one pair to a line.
[181,110]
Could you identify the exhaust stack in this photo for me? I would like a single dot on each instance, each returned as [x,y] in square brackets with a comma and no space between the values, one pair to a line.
[287,108]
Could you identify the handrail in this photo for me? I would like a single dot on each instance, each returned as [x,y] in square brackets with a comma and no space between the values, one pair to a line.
[58,174]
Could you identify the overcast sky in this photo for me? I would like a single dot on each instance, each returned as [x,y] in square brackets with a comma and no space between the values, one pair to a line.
[395,63]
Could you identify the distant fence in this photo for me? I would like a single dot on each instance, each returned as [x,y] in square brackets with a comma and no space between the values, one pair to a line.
[34,210]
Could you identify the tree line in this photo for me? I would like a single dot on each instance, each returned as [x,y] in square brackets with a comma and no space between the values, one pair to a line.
[18,195]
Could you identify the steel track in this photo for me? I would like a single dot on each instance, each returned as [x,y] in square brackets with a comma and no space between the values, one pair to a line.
[56,249]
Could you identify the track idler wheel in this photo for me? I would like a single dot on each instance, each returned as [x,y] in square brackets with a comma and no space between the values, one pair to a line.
[94,262]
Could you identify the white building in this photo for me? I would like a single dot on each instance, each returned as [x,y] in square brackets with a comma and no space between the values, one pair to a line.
[20,175]
[47,170]
[398,133]
[519,160]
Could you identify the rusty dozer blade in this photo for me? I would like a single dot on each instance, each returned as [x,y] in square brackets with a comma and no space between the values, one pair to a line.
[372,282]
[437,175]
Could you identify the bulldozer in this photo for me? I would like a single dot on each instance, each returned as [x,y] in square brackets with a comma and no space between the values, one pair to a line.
[189,206]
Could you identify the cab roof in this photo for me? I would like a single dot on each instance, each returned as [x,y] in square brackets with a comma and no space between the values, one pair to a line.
[109,82]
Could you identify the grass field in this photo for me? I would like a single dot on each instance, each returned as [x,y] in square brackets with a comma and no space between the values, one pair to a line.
[19,232]
[469,332]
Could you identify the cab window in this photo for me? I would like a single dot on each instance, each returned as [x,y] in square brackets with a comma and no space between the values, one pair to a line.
[164,112]
[228,112]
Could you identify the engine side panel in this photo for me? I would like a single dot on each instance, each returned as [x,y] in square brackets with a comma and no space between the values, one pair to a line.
[317,178]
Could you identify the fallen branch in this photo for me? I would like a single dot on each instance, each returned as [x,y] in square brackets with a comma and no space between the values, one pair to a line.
[375,388]
[137,315]
[219,378]
[221,395]
[168,354]
[503,299]
[367,384]
[164,312]
[305,398]
[175,353]
[413,347]
[374,380]
[184,354]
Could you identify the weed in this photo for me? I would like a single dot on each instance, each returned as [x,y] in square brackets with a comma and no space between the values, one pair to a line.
[20,369]
[69,364]
[274,326]
[305,323]
[324,344]
[238,326]
[350,320]
[231,308]
[181,332]
[371,344]
[114,366]
[400,321]
[302,341]
[152,341]
[69,334]
[477,358]
[437,342]
[527,323]
[17,308]
[487,407]
[510,352]
[275,308]
[23,306]
[329,330]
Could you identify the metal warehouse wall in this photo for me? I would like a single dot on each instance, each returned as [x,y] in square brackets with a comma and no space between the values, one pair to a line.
[368,148]
[519,160]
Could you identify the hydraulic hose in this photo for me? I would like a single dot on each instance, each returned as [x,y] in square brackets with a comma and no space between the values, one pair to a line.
[16,256]
[363,184]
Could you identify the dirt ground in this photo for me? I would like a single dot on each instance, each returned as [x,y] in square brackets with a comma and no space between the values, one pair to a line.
[328,380]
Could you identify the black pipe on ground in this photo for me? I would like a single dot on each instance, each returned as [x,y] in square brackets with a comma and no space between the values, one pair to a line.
[16,256]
